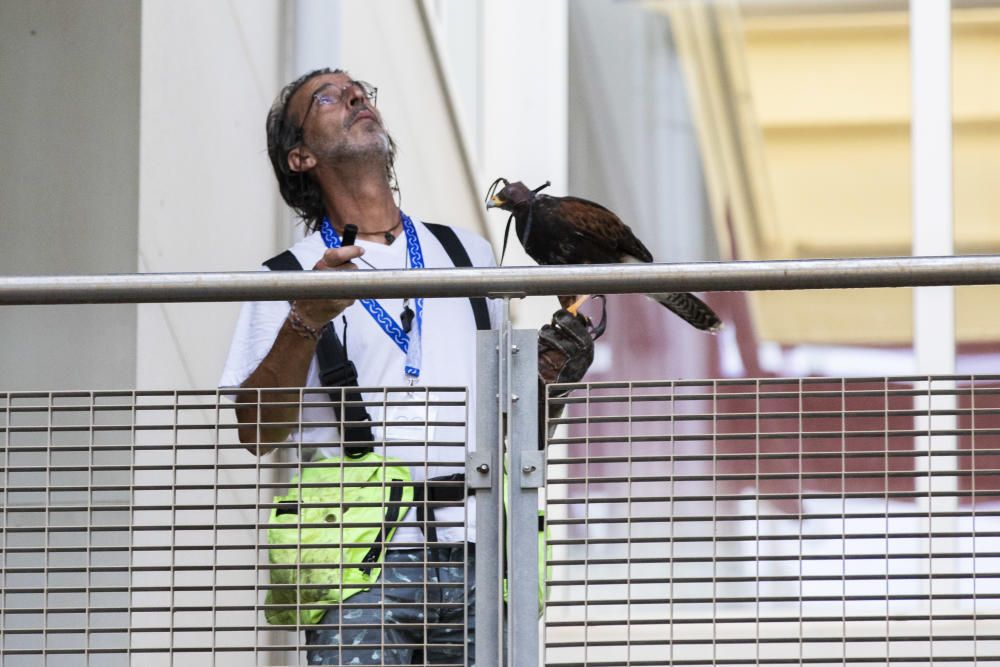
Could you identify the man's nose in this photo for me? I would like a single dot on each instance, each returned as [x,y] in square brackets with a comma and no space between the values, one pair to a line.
[354,95]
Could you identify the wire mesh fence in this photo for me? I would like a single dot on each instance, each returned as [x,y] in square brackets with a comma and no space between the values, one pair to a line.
[778,521]
[134,527]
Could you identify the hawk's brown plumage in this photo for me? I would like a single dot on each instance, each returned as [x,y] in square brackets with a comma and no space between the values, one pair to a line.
[570,230]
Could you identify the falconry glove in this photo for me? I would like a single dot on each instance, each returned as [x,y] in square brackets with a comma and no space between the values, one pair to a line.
[565,352]
[566,346]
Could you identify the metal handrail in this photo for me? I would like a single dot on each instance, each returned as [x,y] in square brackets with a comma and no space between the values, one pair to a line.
[506,281]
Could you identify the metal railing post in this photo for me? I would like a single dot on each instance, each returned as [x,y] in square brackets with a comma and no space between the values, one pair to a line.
[526,473]
[482,476]
[507,411]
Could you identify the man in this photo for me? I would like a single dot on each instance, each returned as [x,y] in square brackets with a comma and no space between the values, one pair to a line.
[333,160]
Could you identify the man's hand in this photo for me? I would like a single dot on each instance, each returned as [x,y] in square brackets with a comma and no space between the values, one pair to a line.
[317,312]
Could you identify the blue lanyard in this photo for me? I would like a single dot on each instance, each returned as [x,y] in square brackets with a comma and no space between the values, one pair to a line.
[409,343]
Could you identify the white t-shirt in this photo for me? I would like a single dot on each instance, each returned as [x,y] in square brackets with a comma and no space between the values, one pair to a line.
[448,351]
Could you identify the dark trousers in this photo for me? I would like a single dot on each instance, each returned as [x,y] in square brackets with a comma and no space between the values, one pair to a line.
[416,614]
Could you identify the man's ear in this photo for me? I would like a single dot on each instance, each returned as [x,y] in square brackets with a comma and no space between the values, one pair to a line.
[300,159]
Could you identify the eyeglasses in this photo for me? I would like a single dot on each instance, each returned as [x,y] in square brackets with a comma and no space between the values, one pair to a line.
[330,94]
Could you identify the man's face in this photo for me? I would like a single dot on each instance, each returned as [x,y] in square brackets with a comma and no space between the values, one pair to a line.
[338,122]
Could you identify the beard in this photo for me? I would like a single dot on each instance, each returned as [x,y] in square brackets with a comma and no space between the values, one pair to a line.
[374,146]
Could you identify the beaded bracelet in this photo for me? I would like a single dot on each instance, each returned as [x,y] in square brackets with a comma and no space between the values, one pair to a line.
[301,328]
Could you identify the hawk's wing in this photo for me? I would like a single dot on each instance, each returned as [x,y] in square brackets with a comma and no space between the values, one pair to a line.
[595,226]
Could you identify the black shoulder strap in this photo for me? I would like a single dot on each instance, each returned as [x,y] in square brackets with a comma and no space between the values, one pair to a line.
[286,261]
[336,371]
[460,258]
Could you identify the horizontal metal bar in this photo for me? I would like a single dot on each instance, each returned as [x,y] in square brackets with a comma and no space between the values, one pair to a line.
[91,589]
[805,416]
[24,510]
[118,548]
[776,435]
[605,621]
[168,528]
[90,408]
[758,599]
[753,518]
[754,641]
[150,629]
[632,385]
[424,391]
[762,496]
[556,562]
[841,578]
[591,479]
[796,455]
[142,650]
[713,388]
[716,661]
[527,281]
[711,394]
[98,468]
[562,644]
[754,558]
[179,507]
[787,537]
[218,446]
[663,521]
[655,437]
[98,610]
[767,477]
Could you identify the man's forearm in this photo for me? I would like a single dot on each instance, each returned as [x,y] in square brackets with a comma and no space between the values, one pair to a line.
[288,362]
[267,417]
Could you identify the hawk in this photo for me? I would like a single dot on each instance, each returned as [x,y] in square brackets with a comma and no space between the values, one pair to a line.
[570,230]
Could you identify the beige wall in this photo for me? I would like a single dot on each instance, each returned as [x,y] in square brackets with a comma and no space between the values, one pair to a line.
[69,145]
[69,149]
[102,175]
[207,201]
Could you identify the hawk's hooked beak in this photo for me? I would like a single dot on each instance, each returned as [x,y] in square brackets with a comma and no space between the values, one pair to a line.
[494,202]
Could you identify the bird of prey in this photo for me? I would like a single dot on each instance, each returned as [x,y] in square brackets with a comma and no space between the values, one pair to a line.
[570,230]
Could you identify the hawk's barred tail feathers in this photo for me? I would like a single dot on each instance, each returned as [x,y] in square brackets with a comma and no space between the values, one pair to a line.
[689,308]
